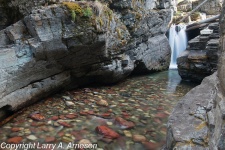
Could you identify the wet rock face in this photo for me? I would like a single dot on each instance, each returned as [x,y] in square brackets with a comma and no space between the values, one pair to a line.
[197,122]
[46,50]
[201,56]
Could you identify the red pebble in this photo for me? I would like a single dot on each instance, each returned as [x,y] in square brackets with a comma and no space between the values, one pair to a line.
[54,118]
[107,132]
[15,140]
[15,129]
[65,124]
[37,117]
[71,116]
[49,139]
[161,115]
[124,123]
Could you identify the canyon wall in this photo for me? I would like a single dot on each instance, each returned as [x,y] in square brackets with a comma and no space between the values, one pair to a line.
[50,49]
[200,58]
[198,120]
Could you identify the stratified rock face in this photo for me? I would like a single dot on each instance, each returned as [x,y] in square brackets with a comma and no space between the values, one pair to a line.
[198,120]
[47,51]
[148,47]
[201,56]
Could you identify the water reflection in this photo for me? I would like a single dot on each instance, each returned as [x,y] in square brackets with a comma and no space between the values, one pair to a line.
[173,80]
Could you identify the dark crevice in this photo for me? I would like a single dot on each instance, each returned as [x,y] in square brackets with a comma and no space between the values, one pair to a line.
[5,111]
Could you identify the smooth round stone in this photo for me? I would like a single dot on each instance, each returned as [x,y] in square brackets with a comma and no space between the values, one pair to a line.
[49,122]
[49,113]
[139,138]
[66,98]
[27,131]
[69,103]
[95,93]
[127,133]
[102,103]
[65,111]
[132,100]
[32,137]
[67,139]
[30,120]
[94,106]
[51,129]
[68,134]
[109,123]
[21,134]
[82,104]
[122,100]
[111,106]
[56,124]
[84,141]
[139,110]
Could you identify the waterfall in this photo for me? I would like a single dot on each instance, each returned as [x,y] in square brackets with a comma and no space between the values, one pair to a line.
[178,43]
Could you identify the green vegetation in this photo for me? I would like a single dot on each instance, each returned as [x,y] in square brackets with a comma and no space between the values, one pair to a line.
[87,12]
[73,14]
[79,10]
[73,7]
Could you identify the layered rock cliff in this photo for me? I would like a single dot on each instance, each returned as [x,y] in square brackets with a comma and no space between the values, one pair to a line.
[197,122]
[52,48]
[201,56]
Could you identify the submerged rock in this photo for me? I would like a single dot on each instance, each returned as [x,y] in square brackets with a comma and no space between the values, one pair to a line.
[107,132]
[124,124]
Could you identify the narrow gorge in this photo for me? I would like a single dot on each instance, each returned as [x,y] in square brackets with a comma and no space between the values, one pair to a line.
[110,74]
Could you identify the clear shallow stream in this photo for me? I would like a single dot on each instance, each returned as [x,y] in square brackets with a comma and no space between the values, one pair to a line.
[72,116]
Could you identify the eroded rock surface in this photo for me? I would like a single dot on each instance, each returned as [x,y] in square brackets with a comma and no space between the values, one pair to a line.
[201,56]
[46,51]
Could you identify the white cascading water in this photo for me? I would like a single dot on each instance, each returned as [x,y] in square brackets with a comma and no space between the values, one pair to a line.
[178,43]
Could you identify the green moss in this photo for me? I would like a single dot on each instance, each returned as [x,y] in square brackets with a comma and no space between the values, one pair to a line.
[73,6]
[73,15]
[87,12]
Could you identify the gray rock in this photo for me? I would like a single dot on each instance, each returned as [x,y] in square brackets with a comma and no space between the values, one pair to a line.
[47,51]
[197,122]
[188,121]
[201,56]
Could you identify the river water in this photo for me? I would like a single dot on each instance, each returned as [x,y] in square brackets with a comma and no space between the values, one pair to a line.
[145,102]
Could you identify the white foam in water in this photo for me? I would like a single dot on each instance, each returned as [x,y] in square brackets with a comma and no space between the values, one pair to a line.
[178,43]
